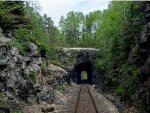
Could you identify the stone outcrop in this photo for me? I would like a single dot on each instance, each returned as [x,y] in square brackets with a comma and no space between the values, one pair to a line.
[140,56]
[25,78]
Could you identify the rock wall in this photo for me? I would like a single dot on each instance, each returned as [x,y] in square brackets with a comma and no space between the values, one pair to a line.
[75,56]
[27,78]
[71,57]
[139,56]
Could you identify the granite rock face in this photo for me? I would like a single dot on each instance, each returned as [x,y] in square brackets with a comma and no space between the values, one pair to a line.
[140,57]
[24,79]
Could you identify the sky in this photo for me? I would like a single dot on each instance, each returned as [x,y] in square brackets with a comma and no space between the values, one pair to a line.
[56,8]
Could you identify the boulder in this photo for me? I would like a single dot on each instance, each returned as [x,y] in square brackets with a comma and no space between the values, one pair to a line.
[11,81]
[37,60]
[4,41]
[22,89]
[14,51]
[32,46]
[3,50]
[3,62]
[57,71]
[3,82]
[36,67]
[57,74]
[27,70]
[23,66]
[26,59]
[47,94]
[32,49]
[55,68]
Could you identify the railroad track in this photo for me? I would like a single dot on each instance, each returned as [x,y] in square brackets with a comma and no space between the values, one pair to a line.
[85,102]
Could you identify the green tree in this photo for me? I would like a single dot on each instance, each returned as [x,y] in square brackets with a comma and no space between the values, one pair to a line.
[12,15]
[71,27]
[44,33]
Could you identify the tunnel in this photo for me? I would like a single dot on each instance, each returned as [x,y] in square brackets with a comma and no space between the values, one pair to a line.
[84,67]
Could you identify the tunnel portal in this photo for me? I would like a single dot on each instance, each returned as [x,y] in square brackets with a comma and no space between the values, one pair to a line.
[87,67]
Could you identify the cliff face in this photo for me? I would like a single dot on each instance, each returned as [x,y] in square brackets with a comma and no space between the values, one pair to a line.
[131,79]
[140,56]
[27,78]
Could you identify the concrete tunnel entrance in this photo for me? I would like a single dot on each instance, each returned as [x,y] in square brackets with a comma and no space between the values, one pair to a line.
[84,67]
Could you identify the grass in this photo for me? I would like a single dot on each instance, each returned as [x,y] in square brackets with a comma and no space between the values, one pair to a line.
[59,87]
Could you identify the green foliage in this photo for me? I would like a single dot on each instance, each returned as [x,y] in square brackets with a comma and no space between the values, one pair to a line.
[44,34]
[71,27]
[18,110]
[22,46]
[121,91]
[32,75]
[2,101]
[117,35]
[130,70]
[59,87]
[10,11]
[44,69]
[22,34]
[42,49]
[53,53]
[114,30]
[101,64]
[84,75]
[57,63]
[128,75]
[12,16]
[79,30]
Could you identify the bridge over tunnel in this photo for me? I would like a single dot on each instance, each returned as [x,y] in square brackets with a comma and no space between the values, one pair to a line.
[84,73]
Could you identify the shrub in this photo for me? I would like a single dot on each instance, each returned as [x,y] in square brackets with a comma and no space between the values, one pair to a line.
[57,63]
[22,34]
[128,75]
[22,47]
[59,87]
[42,47]
[43,68]
[18,110]
[32,75]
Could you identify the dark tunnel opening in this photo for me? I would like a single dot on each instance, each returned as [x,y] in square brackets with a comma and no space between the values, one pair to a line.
[84,67]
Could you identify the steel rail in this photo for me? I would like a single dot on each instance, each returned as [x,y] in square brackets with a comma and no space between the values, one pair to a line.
[92,100]
[79,96]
